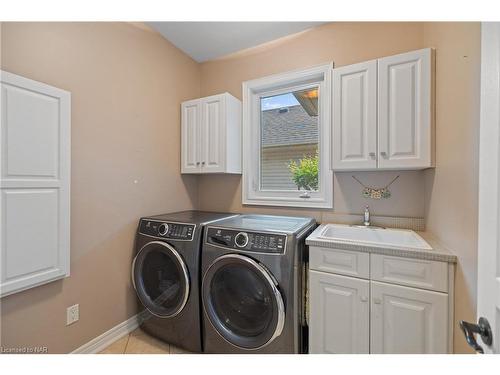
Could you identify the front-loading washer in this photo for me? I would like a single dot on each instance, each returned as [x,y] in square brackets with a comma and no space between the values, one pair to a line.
[253,270]
[166,275]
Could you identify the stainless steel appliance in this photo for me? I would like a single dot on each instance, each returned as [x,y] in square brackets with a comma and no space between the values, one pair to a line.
[253,270]
[165,275]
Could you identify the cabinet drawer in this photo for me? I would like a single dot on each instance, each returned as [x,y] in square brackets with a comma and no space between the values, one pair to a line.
[425,274]
[343,262]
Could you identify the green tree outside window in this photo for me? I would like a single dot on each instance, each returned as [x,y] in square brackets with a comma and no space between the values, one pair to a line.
[305,172]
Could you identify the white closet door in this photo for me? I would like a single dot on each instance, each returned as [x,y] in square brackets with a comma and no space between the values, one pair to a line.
[405,116]
[34,183]
[355,116]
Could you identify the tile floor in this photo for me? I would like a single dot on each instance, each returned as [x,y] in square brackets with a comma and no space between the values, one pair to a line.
[139,342]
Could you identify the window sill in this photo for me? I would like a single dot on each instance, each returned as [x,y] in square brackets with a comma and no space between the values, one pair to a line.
[302,203]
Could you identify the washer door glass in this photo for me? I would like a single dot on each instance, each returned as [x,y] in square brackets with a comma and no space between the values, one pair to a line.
[243,302]
[161,279]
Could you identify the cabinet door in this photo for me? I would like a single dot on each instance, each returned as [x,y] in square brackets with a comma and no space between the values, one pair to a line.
[190,137]
[213,134]
[339,314]
[35,161]
[408,320]
[405,113]
[355,116]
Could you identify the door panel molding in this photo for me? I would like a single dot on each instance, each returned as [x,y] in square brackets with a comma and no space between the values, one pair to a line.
[35,149]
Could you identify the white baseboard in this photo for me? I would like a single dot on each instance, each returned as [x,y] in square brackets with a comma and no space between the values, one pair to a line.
[107,338]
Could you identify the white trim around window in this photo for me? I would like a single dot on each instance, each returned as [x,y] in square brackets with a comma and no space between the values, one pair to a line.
[317,76]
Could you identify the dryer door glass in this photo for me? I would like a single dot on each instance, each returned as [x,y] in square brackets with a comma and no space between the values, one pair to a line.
[243,302]
[161,279]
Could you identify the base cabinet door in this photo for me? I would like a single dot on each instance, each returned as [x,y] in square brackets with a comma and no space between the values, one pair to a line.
[339,314]
[407,320]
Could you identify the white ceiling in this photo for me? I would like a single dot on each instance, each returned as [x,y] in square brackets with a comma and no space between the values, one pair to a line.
[209,40]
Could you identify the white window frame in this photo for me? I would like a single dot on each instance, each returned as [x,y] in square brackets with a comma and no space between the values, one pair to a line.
[320,76]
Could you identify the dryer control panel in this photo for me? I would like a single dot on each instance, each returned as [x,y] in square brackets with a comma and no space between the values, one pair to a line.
[259,242]
[167,230]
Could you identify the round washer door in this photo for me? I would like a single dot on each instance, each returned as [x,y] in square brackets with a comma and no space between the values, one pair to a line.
[161,279]
[242,302]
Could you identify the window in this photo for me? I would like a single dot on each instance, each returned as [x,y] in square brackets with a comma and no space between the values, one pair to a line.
[286,137]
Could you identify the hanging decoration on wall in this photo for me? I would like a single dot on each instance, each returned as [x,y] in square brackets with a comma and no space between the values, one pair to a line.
[376,193]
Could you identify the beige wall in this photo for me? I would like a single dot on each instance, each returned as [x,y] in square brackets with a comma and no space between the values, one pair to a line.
[342,43]
[452,188]
[127,84]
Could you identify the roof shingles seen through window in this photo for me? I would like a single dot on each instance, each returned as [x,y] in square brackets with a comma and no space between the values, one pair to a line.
[288,127]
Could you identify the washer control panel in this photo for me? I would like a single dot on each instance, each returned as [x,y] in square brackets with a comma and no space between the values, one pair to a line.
[259,242]
[168,230]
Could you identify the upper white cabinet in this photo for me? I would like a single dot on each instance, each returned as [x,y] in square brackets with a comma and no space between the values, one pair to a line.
[211,135]
[35,160]
[384,117]
[355,116]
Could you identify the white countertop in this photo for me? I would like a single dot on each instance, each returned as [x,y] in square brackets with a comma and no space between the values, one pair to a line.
[438,252]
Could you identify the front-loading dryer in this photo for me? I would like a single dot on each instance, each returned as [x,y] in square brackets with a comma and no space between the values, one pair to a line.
[253,284]
[166,275]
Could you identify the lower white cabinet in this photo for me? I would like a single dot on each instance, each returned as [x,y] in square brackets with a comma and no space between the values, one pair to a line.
[407,320]
[358,313]
[339,321]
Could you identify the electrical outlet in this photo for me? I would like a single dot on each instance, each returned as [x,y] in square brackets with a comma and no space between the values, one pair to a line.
[72,314]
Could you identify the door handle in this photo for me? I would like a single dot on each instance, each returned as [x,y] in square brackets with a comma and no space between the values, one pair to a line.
[482,328]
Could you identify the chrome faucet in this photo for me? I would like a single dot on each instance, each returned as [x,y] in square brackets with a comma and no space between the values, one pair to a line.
[366,221]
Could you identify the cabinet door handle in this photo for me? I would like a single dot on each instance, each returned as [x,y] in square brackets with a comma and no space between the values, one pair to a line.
[377,301]
[372,154]
[364,299]
[202,163]
[383,154]
[197,163]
